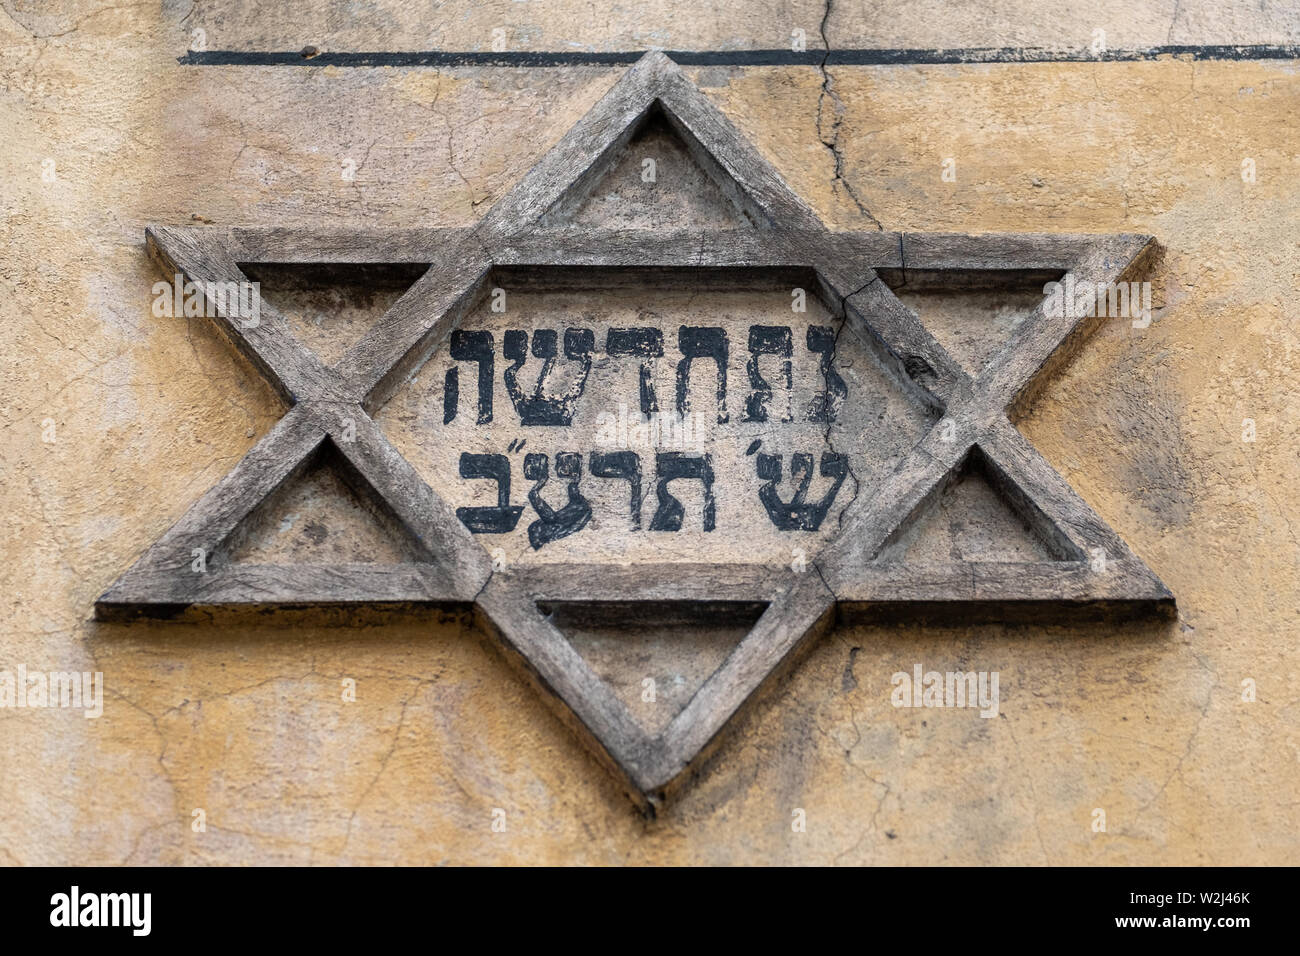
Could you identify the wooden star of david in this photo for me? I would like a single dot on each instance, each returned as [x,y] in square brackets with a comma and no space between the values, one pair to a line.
[331,406]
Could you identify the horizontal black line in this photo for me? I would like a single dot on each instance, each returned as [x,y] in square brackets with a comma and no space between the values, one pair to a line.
[520,58]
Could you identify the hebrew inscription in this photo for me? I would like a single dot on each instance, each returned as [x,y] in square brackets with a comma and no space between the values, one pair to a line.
[641,419]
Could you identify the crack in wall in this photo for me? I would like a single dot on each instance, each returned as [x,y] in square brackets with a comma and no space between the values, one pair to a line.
[843,318]
[832,144]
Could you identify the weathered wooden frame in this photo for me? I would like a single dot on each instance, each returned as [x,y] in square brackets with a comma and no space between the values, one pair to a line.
[334,404]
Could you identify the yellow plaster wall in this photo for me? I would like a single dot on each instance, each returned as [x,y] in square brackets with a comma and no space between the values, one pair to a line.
[244,718]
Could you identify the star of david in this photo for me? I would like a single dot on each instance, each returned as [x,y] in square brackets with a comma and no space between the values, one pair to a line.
[333,406]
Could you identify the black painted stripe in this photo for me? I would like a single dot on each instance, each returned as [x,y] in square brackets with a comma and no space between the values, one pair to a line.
[519,58]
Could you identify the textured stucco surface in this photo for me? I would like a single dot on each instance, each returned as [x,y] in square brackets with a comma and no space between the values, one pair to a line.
[244,718]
